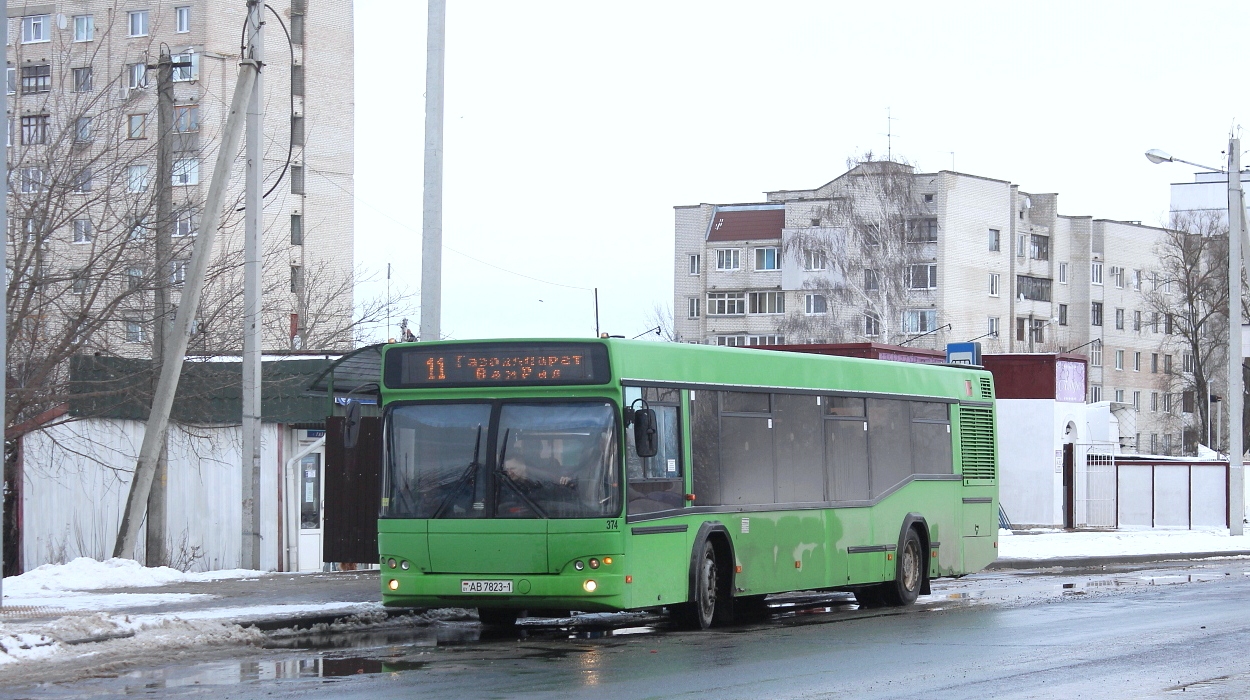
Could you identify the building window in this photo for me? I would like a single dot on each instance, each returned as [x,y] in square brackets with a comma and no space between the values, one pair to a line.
[139,229]
[922,231]
[297,279]
[922,276]
[814,304]
[1154,363]
[1037,330]
[1095,273]
[1154,321]
[1187,402]
[84,27]
[186,171]
[1137,404]
[1033,288]
[297,229]
[1154,443]
[695,263]
[1187,362]
[995,240]
[1117,277]
[36,78]
[1167,364]
[726,304]
[36,29]
[135,125]
[137,76]
[82,181]
[297,179]
[1095,393]
[767,259]
[177,272]
[134,279]
[919,320]
[78,282]
[1095,313]
[82,79]
[1063,314]
[1021,243]
[766,302]
[1167,402]
[138,22]
[1020,326]
[35,130]
[134,332]
[728,259]
[993,326]
[137,178]
[731,341]
[1119,359]
[872,281]
[1119,396]
[11,86]
[184,225]
[766,340]
[1136,361]
[297,26]
[32,180]
[182,20]
[872,324]
[1119,319]
[1167,324]
[1137,280]
[694,307]
[1167,444]
[1063,273]
[184,68]
[1039,247]
[1095,354]
[813,260]
[1137,321]
[82,230]
[993,284]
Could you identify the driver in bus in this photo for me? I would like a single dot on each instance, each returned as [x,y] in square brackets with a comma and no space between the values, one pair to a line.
[526,464]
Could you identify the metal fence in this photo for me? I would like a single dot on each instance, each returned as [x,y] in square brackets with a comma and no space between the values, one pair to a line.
[1095,486]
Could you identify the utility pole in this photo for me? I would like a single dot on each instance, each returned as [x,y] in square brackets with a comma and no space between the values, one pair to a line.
[1236,472]
[4,325]
[432,208]
[155,553]
[176,348]
[249,554]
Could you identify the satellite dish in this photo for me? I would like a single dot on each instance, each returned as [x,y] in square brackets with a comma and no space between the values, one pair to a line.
[351,425]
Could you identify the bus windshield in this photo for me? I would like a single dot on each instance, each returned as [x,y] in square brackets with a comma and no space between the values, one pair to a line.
[509,460]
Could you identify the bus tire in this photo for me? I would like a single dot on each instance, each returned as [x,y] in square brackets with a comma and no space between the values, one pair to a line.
[496,617]
[701,611]
[909,571]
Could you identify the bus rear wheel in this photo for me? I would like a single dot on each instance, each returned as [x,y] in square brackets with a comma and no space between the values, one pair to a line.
[909,572]
[701,612]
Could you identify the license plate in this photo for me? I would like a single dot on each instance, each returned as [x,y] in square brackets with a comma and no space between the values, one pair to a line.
[485,586]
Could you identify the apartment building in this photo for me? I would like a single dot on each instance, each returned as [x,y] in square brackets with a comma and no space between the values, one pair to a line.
[81,81]
[886,254]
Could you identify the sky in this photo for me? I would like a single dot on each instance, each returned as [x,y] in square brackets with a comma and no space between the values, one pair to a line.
[572,129]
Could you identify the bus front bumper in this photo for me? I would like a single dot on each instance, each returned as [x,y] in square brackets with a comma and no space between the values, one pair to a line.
[591,591]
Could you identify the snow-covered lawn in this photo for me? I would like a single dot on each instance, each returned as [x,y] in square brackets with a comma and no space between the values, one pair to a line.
[83,574]
[1059,544]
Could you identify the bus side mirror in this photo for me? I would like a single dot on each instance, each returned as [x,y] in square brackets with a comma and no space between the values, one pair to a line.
[646,437]
[351,425]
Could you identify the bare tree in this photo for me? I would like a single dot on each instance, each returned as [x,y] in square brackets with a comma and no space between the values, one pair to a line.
[871,254]
[660,321]
[1187,299]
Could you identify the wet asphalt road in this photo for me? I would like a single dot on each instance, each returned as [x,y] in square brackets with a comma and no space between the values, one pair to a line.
[1126,634]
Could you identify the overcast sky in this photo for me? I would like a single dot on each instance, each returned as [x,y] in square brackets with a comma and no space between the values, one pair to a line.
[573,128]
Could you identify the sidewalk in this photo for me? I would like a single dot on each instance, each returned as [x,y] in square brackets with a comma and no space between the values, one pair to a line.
[118,609]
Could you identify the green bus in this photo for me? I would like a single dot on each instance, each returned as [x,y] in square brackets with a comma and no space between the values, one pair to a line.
[607,475]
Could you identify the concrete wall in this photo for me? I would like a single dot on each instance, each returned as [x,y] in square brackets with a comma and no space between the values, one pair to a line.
[76,477]
[1026,455]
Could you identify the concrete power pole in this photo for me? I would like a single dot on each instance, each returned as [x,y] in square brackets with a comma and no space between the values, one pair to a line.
[250,552]
[155,553]
[4,325]
[1236,472]
[432,213]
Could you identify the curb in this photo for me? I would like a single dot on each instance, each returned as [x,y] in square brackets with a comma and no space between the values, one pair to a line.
[1095,562]
[309,620]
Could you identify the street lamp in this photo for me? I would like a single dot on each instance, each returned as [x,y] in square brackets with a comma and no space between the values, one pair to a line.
[1236,211]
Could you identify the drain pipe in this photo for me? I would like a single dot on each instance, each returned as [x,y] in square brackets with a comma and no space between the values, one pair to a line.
[295,498]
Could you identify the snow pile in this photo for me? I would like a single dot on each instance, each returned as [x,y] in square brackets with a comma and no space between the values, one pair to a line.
[85,574]
[1052,544]
[26,647]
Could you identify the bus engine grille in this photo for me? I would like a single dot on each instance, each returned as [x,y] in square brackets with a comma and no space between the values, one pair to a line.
[976,437]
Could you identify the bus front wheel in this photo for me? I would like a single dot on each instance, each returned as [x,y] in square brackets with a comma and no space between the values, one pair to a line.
[701,612]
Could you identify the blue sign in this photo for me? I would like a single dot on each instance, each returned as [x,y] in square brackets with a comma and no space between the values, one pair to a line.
[963,354]
[342,400]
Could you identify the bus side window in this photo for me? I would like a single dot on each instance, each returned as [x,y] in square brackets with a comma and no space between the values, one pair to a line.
[705,447]
[655,483]
[889,443]
[931,438]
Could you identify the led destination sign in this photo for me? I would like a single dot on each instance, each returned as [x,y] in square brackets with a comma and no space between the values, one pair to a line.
[520,364]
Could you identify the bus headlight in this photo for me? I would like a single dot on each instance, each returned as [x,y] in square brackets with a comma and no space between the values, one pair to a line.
[594,563]
[390,563]
[394,585]
[579,565]
[590,585]
[403,565]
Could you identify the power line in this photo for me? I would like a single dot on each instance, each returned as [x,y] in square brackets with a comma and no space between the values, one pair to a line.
[445,246]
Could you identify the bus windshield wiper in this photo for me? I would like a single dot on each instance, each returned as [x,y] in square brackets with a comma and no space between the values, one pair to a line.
[507,478]
[464,478]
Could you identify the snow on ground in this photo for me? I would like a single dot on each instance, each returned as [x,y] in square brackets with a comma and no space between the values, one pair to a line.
[73,600]
[84,574]
[1048,544]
